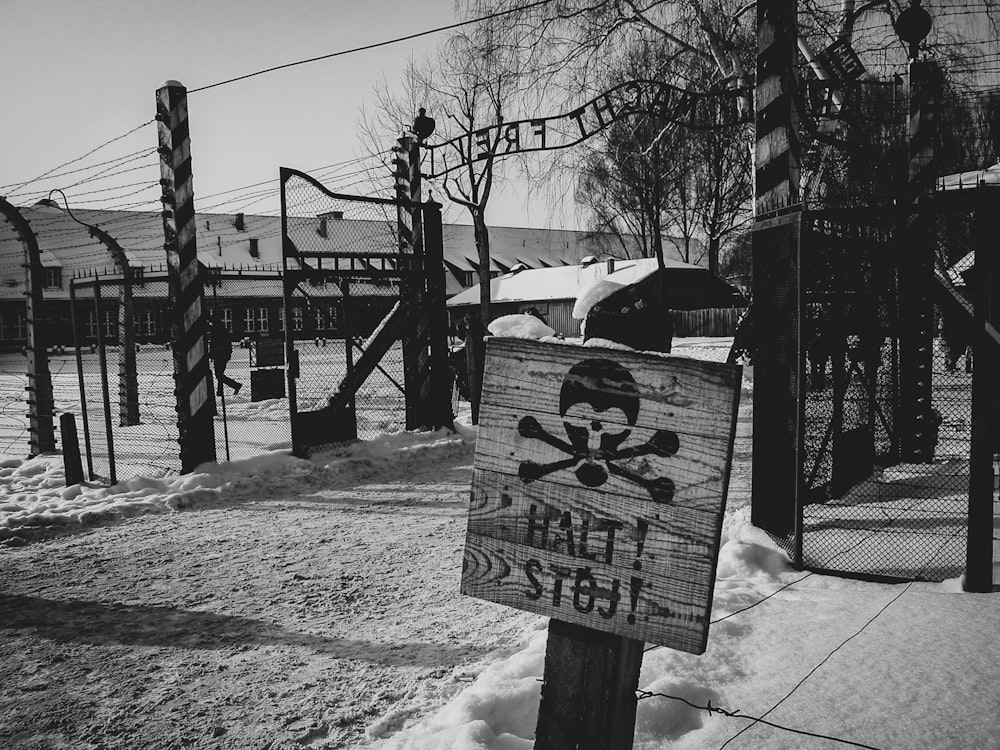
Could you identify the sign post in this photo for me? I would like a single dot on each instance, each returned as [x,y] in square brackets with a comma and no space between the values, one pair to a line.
[597,499]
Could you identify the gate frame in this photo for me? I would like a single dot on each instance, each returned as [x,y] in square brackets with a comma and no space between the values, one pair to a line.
[419,317]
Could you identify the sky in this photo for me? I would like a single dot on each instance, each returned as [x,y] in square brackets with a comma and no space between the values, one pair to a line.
[82,73]
[878,665]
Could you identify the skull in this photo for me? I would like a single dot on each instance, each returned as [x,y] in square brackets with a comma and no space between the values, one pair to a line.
[599,404]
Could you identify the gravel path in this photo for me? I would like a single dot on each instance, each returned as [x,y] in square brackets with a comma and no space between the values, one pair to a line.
[285,622]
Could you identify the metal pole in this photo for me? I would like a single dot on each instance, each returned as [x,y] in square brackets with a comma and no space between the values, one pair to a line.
[916,270]
[128,378]
[192,388]
[79,375]
[985,402]
[105,388]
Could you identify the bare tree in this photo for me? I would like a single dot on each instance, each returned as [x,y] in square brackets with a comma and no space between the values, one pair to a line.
[467,87]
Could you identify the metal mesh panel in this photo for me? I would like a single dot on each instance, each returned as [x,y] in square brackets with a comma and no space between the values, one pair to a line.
[112,448]
[345,274]
[865,513]
[246,307]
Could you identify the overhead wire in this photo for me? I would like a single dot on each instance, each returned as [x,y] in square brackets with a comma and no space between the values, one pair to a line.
[374,45]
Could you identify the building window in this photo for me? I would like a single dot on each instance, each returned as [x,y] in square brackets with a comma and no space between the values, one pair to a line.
[145,323]
[255,320]
[13,326]
[138,275]
[297,318]
[227,318]
[53,278]
[110,324]
[319,318]
[281,319]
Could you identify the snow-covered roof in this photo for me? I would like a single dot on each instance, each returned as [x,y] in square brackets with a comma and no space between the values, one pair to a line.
[251,241]
[973,179]
[566,282]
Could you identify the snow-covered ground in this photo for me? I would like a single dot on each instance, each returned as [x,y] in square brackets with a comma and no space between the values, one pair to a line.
[876,665]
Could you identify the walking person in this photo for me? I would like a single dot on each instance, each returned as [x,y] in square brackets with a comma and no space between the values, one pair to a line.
[220,350]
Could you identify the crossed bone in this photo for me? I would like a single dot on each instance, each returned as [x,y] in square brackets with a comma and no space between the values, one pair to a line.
[662,443]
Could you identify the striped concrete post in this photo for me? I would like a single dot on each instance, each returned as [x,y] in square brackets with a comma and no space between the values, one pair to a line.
[416,337]
[192,376]
[777,308]
[778,153]
[916,271]
[41,429]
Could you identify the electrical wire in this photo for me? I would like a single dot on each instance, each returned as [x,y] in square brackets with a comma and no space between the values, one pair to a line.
[374,45]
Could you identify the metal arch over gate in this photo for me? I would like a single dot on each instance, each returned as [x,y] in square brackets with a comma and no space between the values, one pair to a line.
[347,265]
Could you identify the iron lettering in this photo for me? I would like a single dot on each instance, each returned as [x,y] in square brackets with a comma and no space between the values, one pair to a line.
[659,100]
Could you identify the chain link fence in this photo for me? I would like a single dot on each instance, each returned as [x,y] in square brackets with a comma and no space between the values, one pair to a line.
[126,406]
[345,275]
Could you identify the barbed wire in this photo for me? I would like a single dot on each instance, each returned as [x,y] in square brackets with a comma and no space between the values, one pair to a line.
[81,158]
[816,668]
[737,714]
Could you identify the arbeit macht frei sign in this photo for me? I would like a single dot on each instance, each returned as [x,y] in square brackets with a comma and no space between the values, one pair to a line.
[599,487]
[657,99]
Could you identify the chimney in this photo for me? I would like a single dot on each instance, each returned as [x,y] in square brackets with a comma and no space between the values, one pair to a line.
[611,265]
[254,250]
[240,223]
[322,227]
[218,241]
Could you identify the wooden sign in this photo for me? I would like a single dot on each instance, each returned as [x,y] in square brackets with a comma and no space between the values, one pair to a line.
[599,487]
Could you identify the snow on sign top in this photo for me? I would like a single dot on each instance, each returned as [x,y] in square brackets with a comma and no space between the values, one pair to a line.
[599,487]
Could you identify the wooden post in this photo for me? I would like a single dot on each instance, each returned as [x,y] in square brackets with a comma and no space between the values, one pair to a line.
[985,399]
[195,400]
[72,462]
[41,430]
[589,691]
[475,361]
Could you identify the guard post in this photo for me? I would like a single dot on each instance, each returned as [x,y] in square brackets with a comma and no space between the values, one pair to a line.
[195,399]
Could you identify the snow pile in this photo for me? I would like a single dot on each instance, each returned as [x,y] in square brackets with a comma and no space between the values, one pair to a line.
[593,293]
[35,500]
[497,711]
[520,326]
[896,668]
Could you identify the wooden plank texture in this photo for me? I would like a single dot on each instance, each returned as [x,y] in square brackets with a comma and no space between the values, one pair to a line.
[599,487]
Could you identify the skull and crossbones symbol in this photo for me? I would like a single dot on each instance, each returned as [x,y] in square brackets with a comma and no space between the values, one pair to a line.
[599,404]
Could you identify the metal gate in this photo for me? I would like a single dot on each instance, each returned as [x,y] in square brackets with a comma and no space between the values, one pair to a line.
[366,336]
[830,481]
